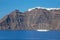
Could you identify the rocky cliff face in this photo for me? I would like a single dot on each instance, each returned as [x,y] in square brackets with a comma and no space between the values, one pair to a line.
[34,19]
[13,21]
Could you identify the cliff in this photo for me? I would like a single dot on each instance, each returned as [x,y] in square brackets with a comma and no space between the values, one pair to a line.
[33,19]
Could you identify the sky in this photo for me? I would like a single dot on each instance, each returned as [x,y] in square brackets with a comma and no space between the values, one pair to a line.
[7,6]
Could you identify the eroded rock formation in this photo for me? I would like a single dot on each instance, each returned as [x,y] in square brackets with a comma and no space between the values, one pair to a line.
[31,20]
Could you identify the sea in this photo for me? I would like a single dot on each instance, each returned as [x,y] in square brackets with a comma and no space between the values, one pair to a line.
[29,35]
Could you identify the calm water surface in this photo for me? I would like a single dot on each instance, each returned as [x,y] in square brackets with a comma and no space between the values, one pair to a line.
[29,35]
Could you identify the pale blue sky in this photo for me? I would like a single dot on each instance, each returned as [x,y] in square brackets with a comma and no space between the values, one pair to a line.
[7,6]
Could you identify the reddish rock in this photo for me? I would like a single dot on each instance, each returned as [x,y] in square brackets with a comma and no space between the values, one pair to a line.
[31,20]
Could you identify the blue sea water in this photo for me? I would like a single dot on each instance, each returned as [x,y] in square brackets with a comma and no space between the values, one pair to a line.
[29,35]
